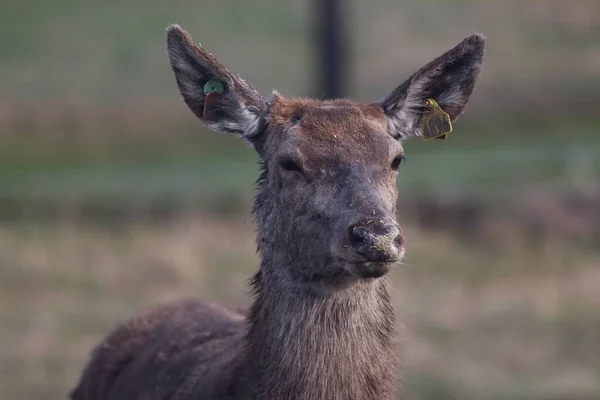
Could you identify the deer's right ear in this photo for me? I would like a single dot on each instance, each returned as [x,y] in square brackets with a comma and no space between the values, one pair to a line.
[222,100]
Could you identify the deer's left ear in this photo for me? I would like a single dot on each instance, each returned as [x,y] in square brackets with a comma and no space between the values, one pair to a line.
[220,99]
[449,80]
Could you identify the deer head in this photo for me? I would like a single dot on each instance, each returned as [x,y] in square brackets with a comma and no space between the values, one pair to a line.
[326,202]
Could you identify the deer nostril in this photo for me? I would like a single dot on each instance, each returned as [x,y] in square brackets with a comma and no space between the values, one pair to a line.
[375,242]
[399,240]
[359,235]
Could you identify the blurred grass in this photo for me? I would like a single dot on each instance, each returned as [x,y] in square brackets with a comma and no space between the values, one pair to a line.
[90,109]
[485,328]
[486,161]
[91,122]
[542,54]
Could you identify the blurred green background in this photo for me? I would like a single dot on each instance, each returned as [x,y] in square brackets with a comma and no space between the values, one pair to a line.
[114,197]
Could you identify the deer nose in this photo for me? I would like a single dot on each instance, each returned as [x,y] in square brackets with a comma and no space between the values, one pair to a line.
[376,242]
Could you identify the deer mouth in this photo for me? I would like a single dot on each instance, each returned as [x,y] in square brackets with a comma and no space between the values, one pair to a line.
[369,269]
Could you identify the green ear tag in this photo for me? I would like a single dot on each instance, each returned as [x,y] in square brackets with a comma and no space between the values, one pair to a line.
[214,85]
[213,90]
[435,123]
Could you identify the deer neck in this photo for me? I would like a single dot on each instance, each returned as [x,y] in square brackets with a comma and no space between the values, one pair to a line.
[314,344]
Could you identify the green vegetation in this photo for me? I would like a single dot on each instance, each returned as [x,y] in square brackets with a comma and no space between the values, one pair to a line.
[91,124]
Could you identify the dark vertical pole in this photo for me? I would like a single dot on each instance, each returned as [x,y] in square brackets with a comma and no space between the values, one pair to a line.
[331,44]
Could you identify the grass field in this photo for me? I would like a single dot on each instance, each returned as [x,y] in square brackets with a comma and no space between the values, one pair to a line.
[486,318]
[542,54]
[113,197]
[479,325]
[494,164]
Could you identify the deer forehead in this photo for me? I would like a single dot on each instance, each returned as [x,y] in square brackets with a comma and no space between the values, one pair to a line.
[338,129]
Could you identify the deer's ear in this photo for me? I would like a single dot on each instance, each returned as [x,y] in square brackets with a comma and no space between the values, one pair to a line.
[449,80]
[222,100]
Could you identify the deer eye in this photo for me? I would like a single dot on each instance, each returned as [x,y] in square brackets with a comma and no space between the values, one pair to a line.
[396,162]
[290,165]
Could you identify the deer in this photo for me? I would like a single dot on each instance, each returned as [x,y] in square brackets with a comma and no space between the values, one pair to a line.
[321,324]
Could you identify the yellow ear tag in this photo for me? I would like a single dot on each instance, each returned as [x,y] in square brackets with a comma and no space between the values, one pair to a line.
[435,122]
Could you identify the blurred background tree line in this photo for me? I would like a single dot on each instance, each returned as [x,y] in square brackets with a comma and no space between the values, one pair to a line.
[113,196]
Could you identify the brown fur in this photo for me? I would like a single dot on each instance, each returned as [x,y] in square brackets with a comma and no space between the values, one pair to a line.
[321,325]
